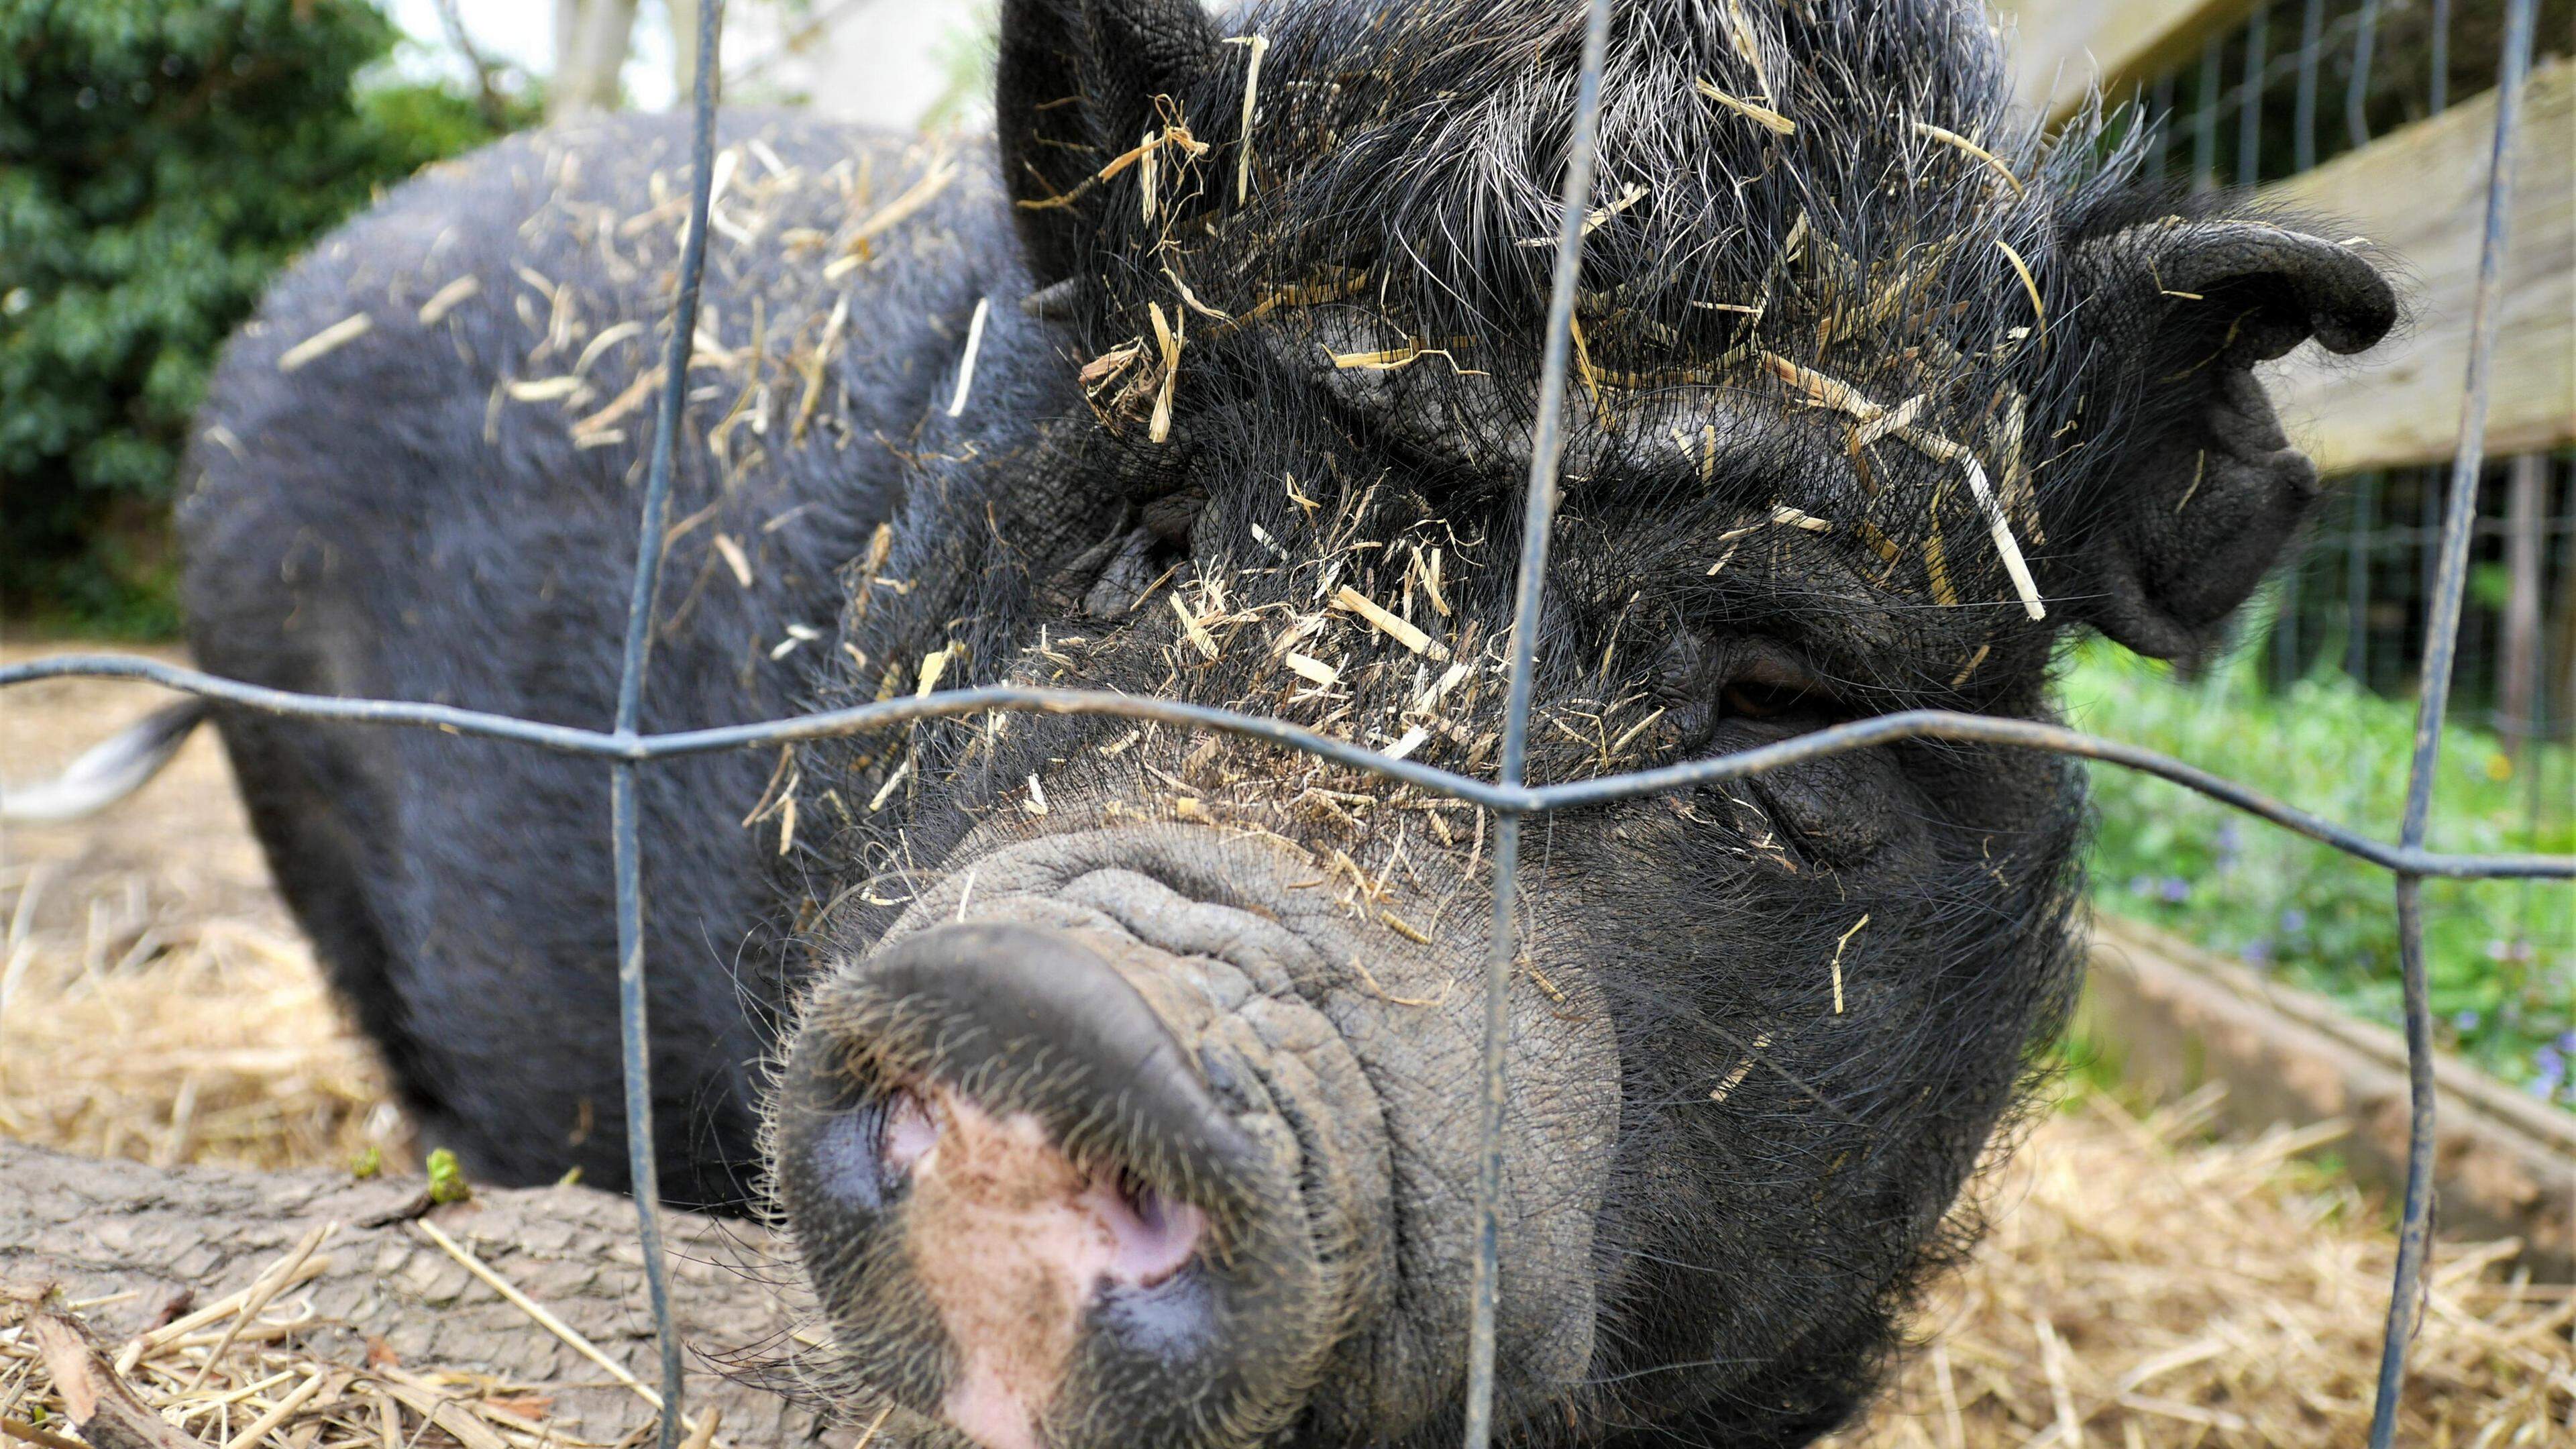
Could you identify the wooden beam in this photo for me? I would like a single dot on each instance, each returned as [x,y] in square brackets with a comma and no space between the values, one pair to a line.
[2518,704]
[2419,195]
[2062,48]
[2171,1018]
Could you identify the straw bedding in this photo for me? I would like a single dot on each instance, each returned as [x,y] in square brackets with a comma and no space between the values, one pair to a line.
[2142,1285]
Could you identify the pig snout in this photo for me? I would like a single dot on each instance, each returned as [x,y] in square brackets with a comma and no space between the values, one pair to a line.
[1032,1219]
[1164,1146]
[1012,1240]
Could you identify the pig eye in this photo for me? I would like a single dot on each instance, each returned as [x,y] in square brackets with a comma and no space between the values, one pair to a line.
[1768,687]
[1761,701]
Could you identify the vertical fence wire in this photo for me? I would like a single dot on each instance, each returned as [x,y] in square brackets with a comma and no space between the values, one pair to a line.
[2441,632]
[2356,644]
[2185,101]
[2158,145]
[2204,122]
[2312,26]
[2249,99]
[625,826]
[1538,517]
[2438,88]
[2356,91]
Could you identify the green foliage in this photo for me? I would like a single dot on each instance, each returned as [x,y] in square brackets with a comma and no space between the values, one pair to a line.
[2501,955]
[159,159]
[446,1178]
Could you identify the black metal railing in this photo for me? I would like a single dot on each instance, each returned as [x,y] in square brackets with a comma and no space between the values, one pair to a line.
[2297,83]
[625,751]
[2353,593]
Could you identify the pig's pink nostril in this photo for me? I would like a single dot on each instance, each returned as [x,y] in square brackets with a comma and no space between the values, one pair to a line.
[1151,1235]
[910,1132]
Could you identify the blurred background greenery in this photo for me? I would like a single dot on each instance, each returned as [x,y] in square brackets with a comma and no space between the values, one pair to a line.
[159,159]
[2500,954]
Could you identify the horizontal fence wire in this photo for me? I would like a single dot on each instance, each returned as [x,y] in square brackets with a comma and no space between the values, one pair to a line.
[626,749]
[1920,724]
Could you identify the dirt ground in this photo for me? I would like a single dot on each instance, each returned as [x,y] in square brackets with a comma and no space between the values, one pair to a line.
[2142,1285]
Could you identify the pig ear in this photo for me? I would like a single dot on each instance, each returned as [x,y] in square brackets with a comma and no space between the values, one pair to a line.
[2209,490]
[1075,87]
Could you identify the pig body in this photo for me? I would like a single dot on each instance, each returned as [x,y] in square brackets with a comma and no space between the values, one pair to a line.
[388,520]
[1116,1084]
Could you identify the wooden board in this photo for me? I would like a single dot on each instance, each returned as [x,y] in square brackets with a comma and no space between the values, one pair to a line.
[2170,1018]
[2061,48]
[2419,195]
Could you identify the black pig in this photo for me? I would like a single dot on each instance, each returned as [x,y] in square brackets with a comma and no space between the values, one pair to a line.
[1117,1084]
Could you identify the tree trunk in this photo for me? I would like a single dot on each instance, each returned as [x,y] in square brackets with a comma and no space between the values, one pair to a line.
[567,36]
[99,1228]
[684,51]
[586,68]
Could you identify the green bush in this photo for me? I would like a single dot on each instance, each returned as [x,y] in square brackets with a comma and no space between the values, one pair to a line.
[2500,955]
[159,159]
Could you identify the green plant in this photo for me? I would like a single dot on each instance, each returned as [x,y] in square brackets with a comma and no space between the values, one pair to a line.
[159,159]
[2500,955]
[447,1178]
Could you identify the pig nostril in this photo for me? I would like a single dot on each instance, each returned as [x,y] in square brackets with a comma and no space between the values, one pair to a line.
[1160,1216]
[1153,1234]
[864,1152]
[908,1132]
[1151,1209]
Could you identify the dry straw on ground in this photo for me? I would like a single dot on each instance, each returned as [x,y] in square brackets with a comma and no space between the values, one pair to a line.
[210,1042]
[156,1000]
[2145,1287]
[2142,1287]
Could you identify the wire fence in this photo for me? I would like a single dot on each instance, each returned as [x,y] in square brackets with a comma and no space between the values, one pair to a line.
[626,752]
[2297,83]
[2354,594]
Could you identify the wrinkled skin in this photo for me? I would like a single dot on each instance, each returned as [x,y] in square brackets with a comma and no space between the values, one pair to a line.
[1116,1084]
